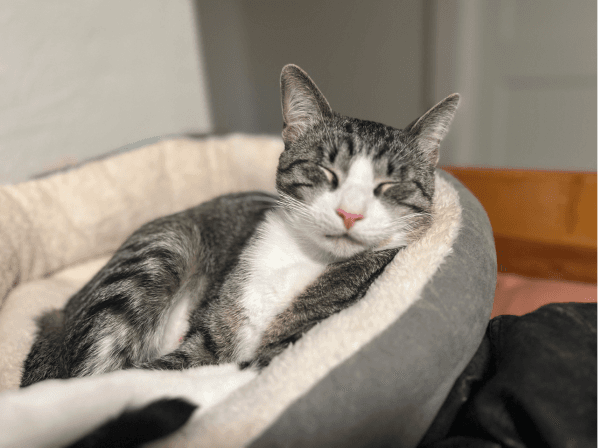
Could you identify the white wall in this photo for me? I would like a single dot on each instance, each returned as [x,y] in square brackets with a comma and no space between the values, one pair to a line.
[527,74]
[79,78]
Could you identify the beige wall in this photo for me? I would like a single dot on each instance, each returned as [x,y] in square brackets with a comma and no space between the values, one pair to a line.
[79,78]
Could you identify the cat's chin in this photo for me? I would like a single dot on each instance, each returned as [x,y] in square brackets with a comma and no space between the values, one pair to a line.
[344,246]
[339,247]
[343,237]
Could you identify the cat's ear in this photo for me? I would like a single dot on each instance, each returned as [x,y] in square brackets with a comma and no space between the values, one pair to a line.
[303,105]
[429,130]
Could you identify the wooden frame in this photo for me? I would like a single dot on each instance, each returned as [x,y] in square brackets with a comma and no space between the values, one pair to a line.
[544,222]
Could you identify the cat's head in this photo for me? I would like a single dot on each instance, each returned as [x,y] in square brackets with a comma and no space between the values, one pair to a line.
[349,185]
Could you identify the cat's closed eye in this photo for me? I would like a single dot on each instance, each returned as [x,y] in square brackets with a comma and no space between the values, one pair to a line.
[330,176]
[381,188]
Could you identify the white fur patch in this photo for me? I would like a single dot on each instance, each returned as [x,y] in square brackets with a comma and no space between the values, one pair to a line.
[175,327]
[277,271]
[101,359]
[357,191]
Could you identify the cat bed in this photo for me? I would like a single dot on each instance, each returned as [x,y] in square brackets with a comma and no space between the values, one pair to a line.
[374,374]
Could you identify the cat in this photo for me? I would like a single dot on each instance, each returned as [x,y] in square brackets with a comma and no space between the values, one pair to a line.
[239,278]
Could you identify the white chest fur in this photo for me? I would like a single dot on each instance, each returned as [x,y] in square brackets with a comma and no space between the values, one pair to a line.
[277,271]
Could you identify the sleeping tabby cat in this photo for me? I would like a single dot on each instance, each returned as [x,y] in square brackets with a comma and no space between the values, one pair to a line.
[238,278]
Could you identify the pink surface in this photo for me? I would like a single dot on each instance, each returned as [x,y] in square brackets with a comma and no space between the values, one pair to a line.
[520,295]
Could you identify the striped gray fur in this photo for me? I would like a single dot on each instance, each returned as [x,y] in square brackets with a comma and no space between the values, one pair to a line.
[197,271]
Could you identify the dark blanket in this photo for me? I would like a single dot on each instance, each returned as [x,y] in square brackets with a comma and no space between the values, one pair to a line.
[531,383]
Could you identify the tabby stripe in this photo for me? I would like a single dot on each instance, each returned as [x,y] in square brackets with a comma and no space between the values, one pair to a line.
[141,277]
[390,169]
[404,170]
[423,191]
[208,341]
[350,146]
[413,207]
[300,184]
[133,268]
[382,150]
[168,261]
[291,165]
[118,303]
[332,154]
[177,360]
[122,274]
[135,246]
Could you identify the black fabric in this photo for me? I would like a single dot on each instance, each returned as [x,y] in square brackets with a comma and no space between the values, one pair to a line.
[133,428]
[531,383]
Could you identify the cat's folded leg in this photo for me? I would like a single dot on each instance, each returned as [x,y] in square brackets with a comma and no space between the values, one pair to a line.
[191,353]
[343,284]
[267,352]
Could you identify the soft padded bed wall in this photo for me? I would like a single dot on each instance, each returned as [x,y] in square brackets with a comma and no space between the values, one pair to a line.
[372,375]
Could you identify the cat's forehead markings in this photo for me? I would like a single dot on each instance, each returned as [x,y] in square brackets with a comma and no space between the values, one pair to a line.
[349,146]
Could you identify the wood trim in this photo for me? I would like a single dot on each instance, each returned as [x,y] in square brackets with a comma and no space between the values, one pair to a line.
[548,261]
[544,222]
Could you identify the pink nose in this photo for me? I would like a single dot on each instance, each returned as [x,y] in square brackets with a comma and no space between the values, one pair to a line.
[348,218]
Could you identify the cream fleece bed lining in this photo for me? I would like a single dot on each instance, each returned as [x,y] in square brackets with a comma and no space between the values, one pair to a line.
[63,220]
[243,415]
